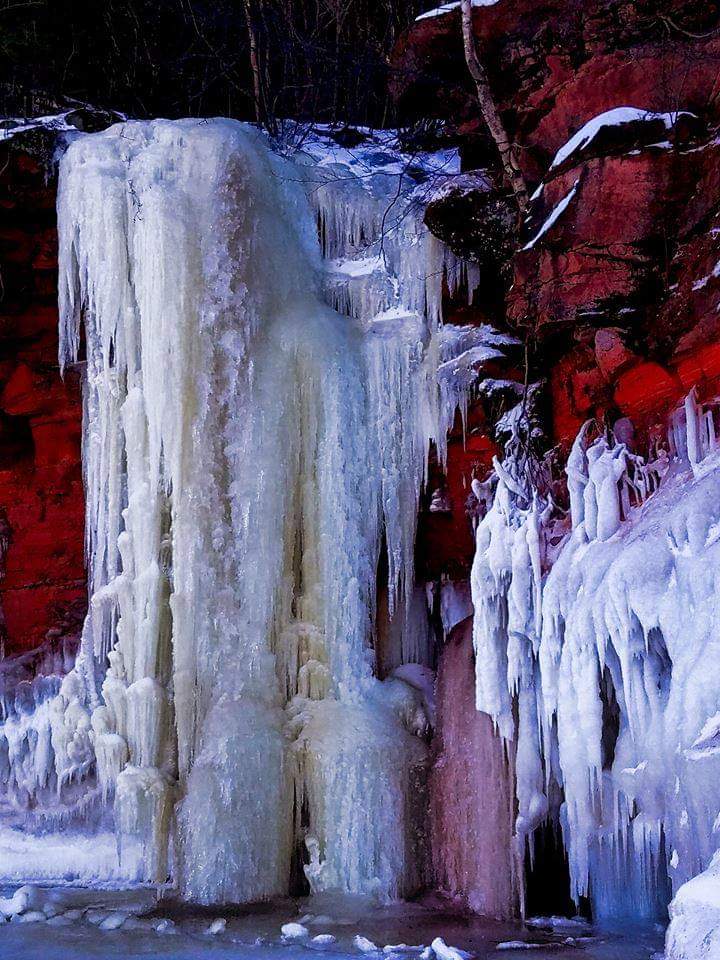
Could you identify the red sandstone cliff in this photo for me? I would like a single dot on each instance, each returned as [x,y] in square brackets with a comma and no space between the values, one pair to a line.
[41,498]
[618,300]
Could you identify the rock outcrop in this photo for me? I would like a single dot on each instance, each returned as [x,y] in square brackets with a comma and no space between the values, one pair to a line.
[41,497]
[613,280]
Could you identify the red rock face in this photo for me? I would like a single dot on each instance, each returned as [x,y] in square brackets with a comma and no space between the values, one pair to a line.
[41,496]
[471,792]
[554,63]
[620,297]
[445,539]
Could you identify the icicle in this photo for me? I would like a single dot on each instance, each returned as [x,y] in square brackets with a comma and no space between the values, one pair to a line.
[577,474]
[693,429]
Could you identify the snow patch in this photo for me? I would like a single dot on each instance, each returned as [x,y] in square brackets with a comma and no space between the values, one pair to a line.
[554,216]
[449,7]
[618,116]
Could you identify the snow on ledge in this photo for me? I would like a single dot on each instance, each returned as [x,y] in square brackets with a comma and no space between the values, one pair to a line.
[449,7]
[554,216]
[616,117]
[11,126]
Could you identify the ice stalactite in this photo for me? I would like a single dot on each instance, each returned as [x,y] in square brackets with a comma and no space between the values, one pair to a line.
[249,452]
[605,649]
[463,353]
[384,268]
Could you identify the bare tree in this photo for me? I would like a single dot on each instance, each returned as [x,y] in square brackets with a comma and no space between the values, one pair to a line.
[261,113]
[490,112]
[254,61]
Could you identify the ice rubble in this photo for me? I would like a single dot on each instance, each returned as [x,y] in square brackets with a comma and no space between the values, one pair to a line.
[258,410]
[444,951]
[599,655]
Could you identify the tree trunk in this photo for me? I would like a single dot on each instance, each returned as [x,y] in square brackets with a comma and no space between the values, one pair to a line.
[258,98]
[489,110]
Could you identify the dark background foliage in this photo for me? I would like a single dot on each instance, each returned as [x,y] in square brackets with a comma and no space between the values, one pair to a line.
[319,59]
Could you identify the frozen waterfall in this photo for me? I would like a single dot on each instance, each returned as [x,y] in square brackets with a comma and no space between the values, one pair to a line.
[259,405]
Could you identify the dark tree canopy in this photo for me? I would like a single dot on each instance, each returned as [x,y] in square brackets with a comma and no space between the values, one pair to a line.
[319,59]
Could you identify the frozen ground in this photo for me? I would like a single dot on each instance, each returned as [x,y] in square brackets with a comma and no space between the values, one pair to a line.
[78,924]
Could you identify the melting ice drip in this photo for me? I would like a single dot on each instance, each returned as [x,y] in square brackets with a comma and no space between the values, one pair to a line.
[605,645]
[246,449]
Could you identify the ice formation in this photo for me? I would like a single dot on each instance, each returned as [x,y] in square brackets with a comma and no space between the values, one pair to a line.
[45,748]
[597,654]
[694,931]
[258,410]
[264,370]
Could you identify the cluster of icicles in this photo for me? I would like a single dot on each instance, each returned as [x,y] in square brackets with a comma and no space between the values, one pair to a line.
[598,656]
[258,411]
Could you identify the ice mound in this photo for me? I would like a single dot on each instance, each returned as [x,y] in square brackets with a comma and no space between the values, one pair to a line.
[694,931]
